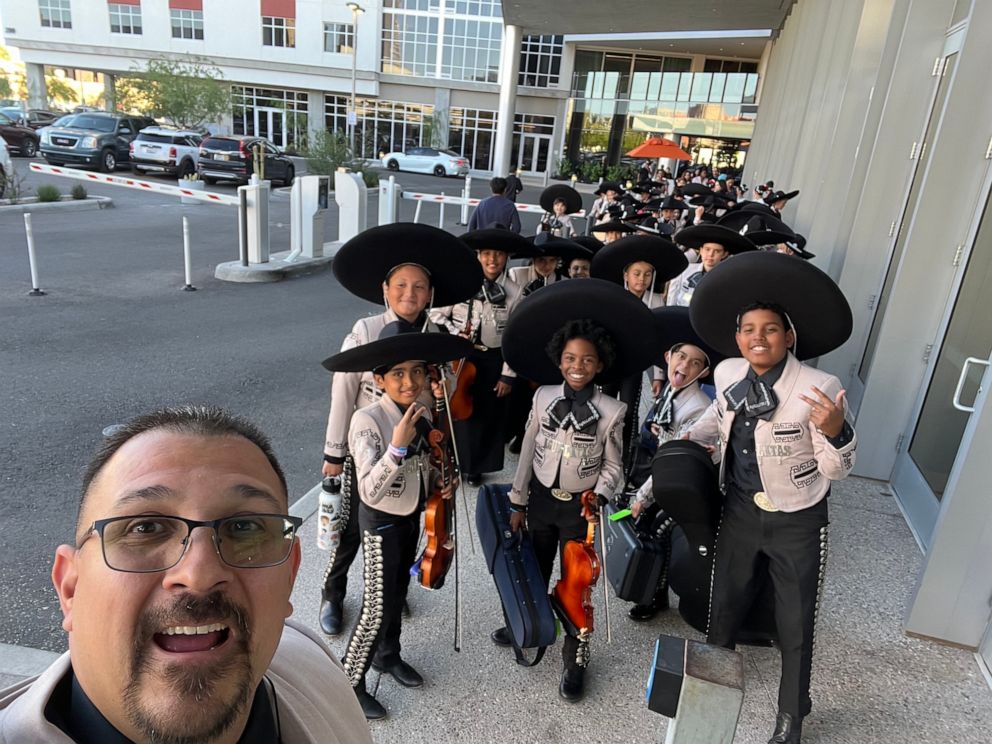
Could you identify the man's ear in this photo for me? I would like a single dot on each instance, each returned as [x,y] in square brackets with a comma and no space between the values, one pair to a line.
[790,339]
[295,558]
[65,575]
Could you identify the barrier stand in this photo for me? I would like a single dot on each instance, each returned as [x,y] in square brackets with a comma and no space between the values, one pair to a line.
[29,232]
[466,195]
[440,215]
[416,212]
[187,257]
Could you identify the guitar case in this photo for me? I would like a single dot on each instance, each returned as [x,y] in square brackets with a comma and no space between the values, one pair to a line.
[512,562]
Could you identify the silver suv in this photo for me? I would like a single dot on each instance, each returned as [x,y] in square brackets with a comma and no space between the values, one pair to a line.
[167,150]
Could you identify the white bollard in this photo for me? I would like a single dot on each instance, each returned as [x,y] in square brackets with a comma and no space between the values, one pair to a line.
[187,257]
[29,232]
[416,212]
[440,216]
[466,195]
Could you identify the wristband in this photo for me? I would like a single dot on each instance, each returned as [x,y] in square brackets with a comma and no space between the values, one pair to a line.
[398,452]
[518,508]
[332,460]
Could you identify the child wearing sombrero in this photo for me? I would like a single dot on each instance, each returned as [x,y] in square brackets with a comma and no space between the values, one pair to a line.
[783,439]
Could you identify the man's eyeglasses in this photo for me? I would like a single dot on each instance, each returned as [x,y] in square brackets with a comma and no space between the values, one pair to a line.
[149,542]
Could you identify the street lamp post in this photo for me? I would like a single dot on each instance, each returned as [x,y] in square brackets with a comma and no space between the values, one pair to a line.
[356,10]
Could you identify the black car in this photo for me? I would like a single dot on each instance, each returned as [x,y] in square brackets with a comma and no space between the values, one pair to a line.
[231,158]
[34,118]
[19,138]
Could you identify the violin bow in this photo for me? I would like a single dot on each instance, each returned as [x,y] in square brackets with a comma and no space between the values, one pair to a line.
[454,449]
[606,592]
[457,641]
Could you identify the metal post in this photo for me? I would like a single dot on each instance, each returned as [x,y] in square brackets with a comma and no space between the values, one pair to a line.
[440,216]
[416,212]
[243,225]
[356,10]
[187,257]
[466,195]
[29,232]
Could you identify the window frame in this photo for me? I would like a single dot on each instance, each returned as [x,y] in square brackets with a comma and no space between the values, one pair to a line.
[62,8]
[133,27]
[284,30]
[338,35]
[183,20]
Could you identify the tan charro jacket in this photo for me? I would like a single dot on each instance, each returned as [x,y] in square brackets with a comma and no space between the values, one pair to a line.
[353,390]
[796,462]
[383,483]
[582,461]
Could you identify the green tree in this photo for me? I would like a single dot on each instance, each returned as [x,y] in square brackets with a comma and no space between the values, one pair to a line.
[60,91]
[186,91]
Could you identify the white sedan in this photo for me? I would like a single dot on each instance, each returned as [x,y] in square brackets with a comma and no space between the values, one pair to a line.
[427,160]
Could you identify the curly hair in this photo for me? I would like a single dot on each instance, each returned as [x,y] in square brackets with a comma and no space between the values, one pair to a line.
[585,329]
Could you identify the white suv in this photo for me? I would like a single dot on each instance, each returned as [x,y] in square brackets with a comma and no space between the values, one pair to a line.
[166,150]
[6,167]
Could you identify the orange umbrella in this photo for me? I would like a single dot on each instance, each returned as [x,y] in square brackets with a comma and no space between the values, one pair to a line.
[659,147]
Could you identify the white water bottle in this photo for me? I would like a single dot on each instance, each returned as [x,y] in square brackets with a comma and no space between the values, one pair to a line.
[329,514]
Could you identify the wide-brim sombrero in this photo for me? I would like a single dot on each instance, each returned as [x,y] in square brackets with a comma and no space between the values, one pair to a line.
[573,199]
[363,263]
[731,240]
[663,255]
[432,348]
[612,226]
[745,221]
[499,239]
[539,316]
[780,196]
[672,326]
[696,189]
[588,241]
[820,314]
[563,248]
[609,186]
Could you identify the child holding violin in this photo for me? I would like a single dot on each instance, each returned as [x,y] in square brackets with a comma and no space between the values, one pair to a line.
[390,442]
[573,438]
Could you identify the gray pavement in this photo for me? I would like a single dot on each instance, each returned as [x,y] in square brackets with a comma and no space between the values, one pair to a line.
[115,337]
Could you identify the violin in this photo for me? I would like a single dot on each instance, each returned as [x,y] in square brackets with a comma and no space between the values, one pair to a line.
[439,517]
[580,569]
[464,373]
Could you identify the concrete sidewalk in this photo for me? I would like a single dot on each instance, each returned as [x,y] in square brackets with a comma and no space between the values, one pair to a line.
[871,683]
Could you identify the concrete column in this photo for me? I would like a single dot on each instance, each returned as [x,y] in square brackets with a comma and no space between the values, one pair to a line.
[509,71]
[441,119]
[315,113]
[37,88]
[109,92]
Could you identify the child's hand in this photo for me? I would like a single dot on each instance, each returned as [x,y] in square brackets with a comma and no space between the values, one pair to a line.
[825,414]
[405,430]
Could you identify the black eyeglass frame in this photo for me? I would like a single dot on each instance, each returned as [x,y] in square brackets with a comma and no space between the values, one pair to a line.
[100,525]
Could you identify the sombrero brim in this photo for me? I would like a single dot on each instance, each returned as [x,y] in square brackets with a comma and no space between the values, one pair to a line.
[697,235]
[609,186]
[432,348]
[573,199]
[818,309]
[361,265]
[613,226]
[563,248]
[588,241]
[498,239]
[668,261]
[760,207]
[770,237]
[696,189]
[670,203]
[672,326]
[539,316]
[781,196]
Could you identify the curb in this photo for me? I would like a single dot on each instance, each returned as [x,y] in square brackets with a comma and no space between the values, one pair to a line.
[67,204]
[277,268]
[306,506]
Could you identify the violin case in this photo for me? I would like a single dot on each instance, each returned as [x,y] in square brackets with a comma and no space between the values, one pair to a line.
[634,561]
[512,562]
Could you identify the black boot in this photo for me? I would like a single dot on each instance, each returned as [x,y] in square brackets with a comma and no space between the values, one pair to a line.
[371,707]
[643,613]
[501,637]
[331,616]
[572,684]
[788,729]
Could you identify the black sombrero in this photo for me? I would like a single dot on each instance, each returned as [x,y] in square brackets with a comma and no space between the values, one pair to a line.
[672,203]
[663,255]
[696,189]
[613,225]
[797,245]
[780,196]
[609,186]
[672,326]
[588,241]
[363,263]
[499,239]
[759,207]
[697,235]
[746,221]
[573,199]
[538,317]
[395,345]
[816,306]
[563,248]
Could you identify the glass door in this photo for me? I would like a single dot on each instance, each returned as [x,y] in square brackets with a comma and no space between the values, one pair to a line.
[271,124]
[957,369]
[532,156]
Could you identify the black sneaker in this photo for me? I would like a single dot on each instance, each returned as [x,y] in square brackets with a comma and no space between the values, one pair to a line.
[331,617]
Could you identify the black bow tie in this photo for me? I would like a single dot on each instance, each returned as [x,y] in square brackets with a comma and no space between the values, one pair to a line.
[752,396]
[492,291]
[575,409]
[664,412]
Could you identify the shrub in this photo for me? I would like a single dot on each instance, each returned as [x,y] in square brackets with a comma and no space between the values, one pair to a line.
[48,193]
[78,192]
[371,178]
[326,152]
[565,168]
[591,172]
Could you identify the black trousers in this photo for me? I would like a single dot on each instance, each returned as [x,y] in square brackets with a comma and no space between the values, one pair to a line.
[628,391]
[551,523]
[340,560]
[389,544]
[792,549]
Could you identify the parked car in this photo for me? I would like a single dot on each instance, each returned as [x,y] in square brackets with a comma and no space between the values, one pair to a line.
[95,139]
[427,160]
[19,138]
[34,118]
[167,150]
[6,168]
[230,158]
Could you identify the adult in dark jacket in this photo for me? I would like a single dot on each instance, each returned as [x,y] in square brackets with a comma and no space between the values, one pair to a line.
[495,209]
[513,185]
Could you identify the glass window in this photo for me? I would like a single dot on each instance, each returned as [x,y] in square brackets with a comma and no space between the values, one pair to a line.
[252,105]
[55,13]
[125,19]
[381,126]
[186,24]
[540,61]
[280,32]
[471,133]
[339,38]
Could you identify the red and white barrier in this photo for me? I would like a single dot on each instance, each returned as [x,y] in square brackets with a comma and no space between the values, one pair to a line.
[134,183]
